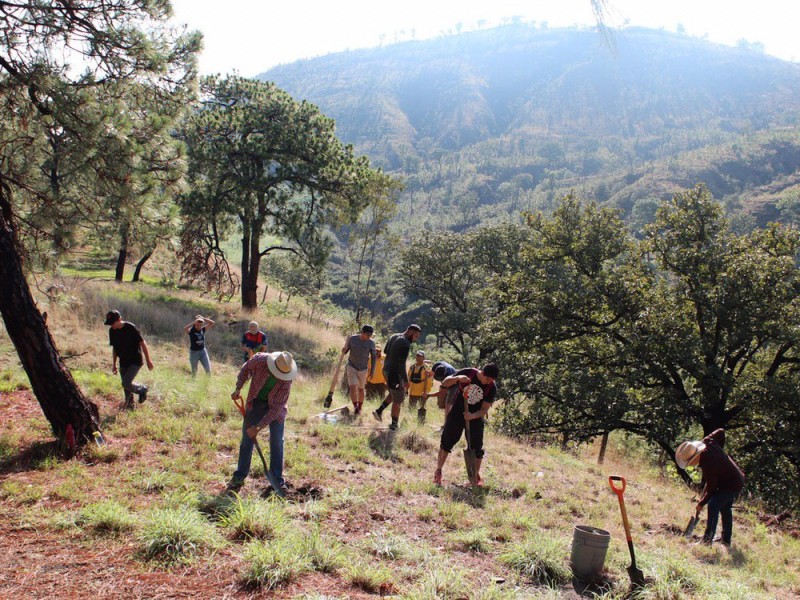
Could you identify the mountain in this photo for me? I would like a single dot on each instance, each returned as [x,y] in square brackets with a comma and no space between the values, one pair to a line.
[496,121]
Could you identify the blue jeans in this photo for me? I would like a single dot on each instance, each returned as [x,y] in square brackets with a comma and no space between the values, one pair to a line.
[720,503]
[200,356]
[275,445]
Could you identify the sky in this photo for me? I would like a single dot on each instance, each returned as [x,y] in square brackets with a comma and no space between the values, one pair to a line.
[250,36]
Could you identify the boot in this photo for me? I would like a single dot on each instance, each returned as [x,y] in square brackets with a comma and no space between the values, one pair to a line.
[421,416]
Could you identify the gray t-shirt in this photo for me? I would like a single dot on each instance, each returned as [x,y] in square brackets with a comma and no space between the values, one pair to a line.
[360,352]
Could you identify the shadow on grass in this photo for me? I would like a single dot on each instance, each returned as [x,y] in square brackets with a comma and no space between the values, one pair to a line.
[597,586]
[474,496]
[39,455]
[382,443]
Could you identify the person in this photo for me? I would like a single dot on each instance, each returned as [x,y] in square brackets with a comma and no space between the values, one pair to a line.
[445,396]
[376,382]
[128,346]
[473,411]
[253,341]
[197,343]
[360,364]
[394,370]
[724,480]
[271,376]
[420,383]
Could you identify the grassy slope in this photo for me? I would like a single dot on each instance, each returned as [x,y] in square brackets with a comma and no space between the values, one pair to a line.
[145,516]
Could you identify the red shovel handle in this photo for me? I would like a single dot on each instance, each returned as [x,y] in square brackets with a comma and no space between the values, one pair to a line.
[239,404]
[617,490]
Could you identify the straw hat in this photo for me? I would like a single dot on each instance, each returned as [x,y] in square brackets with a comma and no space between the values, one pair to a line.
[282,365]
[687,452]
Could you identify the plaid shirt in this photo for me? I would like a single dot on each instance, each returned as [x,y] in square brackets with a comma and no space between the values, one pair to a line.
[257,370]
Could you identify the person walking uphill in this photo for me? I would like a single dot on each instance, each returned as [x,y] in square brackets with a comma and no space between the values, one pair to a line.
[271,377]
[394,370]
[724,480]
[360,364]
[128,346]
[471,409]
[420,383]
[197,343]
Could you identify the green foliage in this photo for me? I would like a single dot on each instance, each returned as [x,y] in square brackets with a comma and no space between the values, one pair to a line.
[540,559]
[176,535]
[254,518]
[106,517]
[274,563]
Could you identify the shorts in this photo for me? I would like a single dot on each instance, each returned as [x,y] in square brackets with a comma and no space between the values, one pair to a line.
[356,377]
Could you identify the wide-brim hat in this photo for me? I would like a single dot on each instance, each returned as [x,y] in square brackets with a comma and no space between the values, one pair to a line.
[687,452]
[282,365]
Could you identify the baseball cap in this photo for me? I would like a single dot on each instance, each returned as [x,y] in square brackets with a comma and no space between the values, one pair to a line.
[112,317]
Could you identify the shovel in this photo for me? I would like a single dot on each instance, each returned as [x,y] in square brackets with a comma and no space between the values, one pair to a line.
[275,484]
[329,398]
[692,524]
[635,573]
[470,459]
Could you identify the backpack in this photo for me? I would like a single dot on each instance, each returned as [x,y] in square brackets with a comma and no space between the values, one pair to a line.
[416,376]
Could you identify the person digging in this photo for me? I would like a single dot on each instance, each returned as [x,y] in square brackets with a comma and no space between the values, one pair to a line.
[724,480]
[394,370]
[360,364]
[271,376]
[473,411]
[420,382]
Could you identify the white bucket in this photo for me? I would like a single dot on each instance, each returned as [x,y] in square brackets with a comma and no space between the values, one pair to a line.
[589,547]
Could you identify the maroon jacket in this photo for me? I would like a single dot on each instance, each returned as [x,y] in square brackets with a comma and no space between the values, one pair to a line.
[719,471]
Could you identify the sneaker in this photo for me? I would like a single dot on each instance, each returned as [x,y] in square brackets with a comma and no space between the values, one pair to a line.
[357,409]
[394,426]
[378,416]
[143,394]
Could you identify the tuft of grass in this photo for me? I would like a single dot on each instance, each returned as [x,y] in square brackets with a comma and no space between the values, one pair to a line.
[442,584]
[176,535]
[9,444]
[313,510]
[426,514]
[254,518]
[414,442]
[101,454]
[473,540]
[345,498]
[23,494]
[540,559]
[325,553]
[453,514]
[372,578]
[107,517]
[156,481]
[275,563]
[387,545]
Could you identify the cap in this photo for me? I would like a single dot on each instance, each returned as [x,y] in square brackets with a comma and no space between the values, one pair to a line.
[112,317]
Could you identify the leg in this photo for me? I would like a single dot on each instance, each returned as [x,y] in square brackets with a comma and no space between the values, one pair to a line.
[397,402]
[354,395]
[204,360]
[451,433]
[276,450]
[726,514]
[194,357]
[246,445]
[476,428]
[128,374]
[713,507]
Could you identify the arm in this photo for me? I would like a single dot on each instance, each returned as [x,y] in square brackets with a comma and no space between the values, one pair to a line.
[244,374]
[114,361]
[186,328]
[146,352]
[472,416]
[209,323]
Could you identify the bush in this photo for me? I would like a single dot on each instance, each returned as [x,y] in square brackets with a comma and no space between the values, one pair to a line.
[474,540]
[176,535]
[540,559]
[325,553]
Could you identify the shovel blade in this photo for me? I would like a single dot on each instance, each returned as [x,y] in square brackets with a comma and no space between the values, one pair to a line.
[470,461]
[690,527]
[636,575]
[328,400]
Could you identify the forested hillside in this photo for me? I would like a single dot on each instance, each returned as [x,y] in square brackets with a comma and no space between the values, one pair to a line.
[496,121]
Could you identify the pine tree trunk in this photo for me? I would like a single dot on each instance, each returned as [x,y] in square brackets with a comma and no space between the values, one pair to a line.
[251,259]
[123,254]
[59,396]
[137,272]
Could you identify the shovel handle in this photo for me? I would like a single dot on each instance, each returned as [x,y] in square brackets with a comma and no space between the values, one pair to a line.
[336,373]
[239,404]
[619,492]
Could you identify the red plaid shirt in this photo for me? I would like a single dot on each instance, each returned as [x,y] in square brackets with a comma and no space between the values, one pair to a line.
[257,371]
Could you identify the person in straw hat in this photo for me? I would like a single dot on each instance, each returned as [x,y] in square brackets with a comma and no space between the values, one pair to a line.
[271,375]
[198,353]
[724,480]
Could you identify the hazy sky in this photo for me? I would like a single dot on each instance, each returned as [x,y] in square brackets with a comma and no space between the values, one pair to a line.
[250,36]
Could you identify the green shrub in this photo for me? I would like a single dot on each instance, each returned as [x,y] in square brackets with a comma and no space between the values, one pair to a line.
[325,553]
[254,518]
[106,517]
[177,534]
[540,559]
[274,563]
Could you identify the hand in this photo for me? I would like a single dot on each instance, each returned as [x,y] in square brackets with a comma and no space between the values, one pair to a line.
[405,385]
[149,364]
[114,369]
[699,509]
[235,395]
[467,415]
[253,432]
[424,395]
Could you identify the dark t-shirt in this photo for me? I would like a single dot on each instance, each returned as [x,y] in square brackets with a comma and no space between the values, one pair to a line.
[719,470]
[489,390]
[396,350]
[125,341]
[197,338]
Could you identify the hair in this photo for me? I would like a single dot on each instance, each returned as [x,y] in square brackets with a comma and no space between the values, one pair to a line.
[368,329]
[439,373]
[253,323]
[491,370]
[414,327]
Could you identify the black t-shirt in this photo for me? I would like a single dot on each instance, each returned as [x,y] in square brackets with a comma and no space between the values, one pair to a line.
[125,341]
[197,338]
[396,351]
[489,390]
